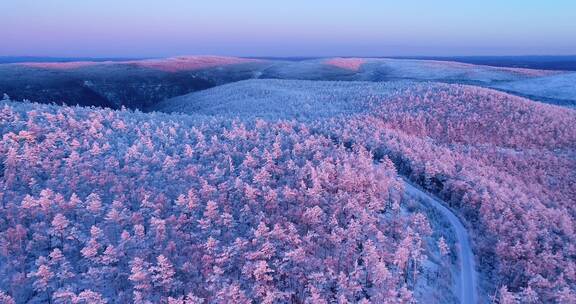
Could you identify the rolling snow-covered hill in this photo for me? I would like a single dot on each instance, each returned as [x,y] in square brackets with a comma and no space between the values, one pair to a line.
[140,84]
[283,99]
[559,88]
[132,84]
[285,190]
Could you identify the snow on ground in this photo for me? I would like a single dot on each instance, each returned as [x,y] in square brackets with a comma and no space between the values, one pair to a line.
[61,65]
[169,77]
[451,136]
[437,281]
[444,134]
[314,69]
[353,64]
[189,63]
[172,64]
[449,71]
[384,69]
[283,99]
[561,87]
[466,280]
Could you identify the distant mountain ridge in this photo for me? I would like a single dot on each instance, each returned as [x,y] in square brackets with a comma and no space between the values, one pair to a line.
[140,84]
[20,59]
[543,62]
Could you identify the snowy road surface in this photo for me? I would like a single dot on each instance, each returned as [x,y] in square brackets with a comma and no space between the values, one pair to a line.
[467,292]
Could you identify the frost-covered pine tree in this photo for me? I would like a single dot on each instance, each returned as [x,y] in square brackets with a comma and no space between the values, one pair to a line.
[163,273]
[443,247]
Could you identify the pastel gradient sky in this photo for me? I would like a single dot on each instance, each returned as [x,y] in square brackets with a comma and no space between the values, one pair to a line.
[154,28]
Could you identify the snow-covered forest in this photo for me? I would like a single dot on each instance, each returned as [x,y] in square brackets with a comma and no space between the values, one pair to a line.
[289,191]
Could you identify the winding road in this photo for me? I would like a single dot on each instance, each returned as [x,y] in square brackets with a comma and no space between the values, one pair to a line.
[467,285]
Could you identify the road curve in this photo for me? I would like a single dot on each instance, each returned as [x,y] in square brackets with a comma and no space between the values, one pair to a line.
[468,291]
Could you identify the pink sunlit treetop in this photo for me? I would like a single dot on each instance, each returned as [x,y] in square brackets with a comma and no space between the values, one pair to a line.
[173,64]
[61,65]
[189,63]
[352,64]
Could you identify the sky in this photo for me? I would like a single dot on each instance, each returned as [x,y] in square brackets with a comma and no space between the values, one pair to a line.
[159,28]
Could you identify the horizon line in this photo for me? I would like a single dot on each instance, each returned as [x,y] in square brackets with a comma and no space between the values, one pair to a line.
[276,57]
